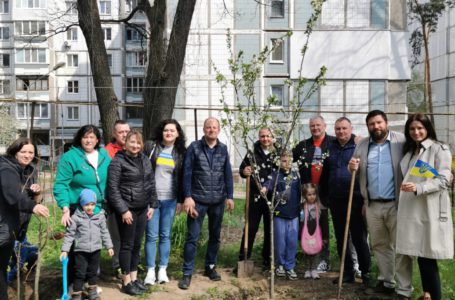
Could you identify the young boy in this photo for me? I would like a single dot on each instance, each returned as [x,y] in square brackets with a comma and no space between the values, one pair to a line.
[286,219]
[87,230]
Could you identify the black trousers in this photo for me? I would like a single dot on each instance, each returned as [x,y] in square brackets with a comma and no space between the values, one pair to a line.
[258,210]
[429,275]
[5,254]
[85,269]
[131,240]
[357,231]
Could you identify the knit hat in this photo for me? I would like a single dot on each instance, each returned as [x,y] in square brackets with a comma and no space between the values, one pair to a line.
[87,196]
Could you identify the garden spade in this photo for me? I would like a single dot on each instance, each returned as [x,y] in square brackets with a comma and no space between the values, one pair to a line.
[65,283]
[245,268]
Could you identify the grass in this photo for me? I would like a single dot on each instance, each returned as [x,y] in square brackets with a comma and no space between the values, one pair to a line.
[228,253]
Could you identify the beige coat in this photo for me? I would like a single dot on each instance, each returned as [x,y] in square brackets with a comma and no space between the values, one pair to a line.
[424,220]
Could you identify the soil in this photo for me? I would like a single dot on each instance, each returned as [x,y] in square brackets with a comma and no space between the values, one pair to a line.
[230,287]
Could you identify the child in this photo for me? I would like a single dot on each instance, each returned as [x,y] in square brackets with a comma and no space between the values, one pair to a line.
[286,219]
[311,235]
[86,231]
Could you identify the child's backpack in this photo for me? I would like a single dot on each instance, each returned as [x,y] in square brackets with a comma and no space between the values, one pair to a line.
[311,244]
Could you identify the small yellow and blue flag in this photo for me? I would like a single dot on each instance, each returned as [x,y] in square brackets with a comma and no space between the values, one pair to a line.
[423,169]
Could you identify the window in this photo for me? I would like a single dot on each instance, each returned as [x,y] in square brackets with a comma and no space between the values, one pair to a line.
[27,28]
[31,56]
[73,112]
[135,33]
[358,13]
[4,87]
[277,8]
[278,92]
[277,54]
[71,34]
[107,33]
[105,7]
[4,6]
[31,84]
[4,60]
[71,7]
[4,33]
[72,60]
[41,110]
[136,59]
[109,60]
[134,84]
[133,112]
[73,87]
[31,3]
[351,13]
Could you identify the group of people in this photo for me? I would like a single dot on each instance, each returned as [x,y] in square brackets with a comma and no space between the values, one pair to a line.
[131,188]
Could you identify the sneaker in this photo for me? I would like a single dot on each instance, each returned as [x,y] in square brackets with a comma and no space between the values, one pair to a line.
[307,274]
[92,293]
[291,274]
[76,295]
[211,273]
[162,275]
[280,272]
[185,282]
[381,289]
[131,289]
[315,274]
[151,277]
[323,266]
[140,286]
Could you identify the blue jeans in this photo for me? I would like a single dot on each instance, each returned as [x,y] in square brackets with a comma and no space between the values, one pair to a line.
[286,239]
[215,214]
[160,226]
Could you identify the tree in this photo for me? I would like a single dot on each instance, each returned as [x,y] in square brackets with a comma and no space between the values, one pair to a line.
[248,116]
[8,125]
[425,15]
[415,91]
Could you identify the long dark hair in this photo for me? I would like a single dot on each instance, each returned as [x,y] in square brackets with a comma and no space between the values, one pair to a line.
[410,144]
[17,145]
[77,141]
[157,134]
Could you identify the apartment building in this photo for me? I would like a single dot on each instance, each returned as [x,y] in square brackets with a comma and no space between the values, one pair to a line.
[363,43]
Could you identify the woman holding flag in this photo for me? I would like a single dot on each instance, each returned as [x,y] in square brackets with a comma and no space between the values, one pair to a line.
[424,218]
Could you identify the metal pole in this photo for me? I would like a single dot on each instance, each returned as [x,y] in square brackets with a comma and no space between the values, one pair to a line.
[195,123]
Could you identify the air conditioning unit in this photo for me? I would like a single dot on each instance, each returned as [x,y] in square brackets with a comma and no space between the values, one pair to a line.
[67,44]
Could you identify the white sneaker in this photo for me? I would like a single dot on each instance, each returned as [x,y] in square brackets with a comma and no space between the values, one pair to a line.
[151,277]
[315,274]
[323,267]
[307,274]
[280,272]
[162,276]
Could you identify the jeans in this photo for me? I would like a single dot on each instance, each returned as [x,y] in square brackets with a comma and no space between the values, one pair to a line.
[160,226]
[286,239]
[215,214]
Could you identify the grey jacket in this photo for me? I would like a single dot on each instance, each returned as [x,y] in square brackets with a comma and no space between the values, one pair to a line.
[396,148]
[87,233]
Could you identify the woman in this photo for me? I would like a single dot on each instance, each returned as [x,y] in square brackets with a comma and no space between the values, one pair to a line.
[424,220]
[166,153]
[18,192]
[132,194]
[84,166]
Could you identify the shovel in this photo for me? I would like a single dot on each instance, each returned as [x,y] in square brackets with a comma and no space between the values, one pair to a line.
[65,283]
[245,268]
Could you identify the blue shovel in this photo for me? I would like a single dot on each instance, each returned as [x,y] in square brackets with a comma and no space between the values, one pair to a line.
[65,285]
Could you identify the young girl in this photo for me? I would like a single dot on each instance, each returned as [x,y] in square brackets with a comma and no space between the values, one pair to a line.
[86,230]
[311,235]
[286,221]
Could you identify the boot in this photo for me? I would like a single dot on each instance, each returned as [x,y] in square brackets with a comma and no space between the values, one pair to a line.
[92,293]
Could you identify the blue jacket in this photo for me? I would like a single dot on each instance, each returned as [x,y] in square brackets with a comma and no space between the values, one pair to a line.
[289,208]
[206,178]
[336,178]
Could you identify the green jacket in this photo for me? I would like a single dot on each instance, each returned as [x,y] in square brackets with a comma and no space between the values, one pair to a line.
[74,173]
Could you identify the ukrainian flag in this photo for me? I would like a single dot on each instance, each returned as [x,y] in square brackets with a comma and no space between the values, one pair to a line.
[423,169]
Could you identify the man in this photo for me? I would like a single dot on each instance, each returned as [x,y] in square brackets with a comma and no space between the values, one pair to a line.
[310,155]
[260,160]
[334,189]
[121,129]
[207,186]
[377,159]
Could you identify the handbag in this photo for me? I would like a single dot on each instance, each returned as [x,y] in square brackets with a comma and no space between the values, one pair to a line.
[311,244]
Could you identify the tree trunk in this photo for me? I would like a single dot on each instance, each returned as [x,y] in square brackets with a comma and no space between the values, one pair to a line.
[272,257]
[90,24]
[427,77]
[165,63]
